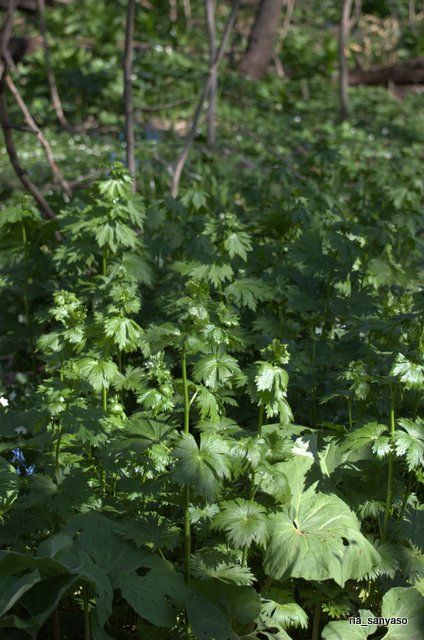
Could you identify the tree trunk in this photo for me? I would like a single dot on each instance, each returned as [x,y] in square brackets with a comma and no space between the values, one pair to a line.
[260,49]
[211,115]
[128,92]
[344,71]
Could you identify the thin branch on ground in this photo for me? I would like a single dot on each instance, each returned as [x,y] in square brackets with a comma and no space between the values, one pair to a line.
[182,159]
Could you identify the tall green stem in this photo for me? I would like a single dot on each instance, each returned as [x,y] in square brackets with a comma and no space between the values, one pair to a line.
[26,297]
[389,494]
[86,614]
[186,494]
[252,479]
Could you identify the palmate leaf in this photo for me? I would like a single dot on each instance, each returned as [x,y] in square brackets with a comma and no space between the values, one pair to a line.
[243,521]
[204,467]
[99,373]
[370,434]
[238,244]
[223,564]
[115,235]
[317,536]
[125,333]
[215,369]
[248,292]
[214,273]
[275,607]
[410,373]
[410,441]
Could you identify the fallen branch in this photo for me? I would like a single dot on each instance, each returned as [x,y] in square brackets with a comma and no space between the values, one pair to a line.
[410,72]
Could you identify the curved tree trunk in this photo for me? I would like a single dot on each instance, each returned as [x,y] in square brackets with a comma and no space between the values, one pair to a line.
[260,49]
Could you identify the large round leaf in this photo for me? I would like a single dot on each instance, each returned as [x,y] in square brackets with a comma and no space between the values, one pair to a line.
[318,538]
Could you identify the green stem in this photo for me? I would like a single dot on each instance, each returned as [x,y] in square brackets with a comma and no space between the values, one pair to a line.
[252,478]
[104,264]
[58,443]
[104,396]
[316,621]
[389,494]
[86,614]
[26,298]
[186,494]
[349,411]
[56,625]
[185,392]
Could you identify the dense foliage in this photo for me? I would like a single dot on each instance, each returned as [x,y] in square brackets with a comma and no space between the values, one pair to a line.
[211,407]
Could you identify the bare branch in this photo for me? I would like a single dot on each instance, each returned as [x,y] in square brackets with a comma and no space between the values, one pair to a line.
[179,166]
[57,175]
[128,91]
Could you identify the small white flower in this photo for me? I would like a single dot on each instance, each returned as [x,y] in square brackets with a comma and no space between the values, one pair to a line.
[301,448]
[297,119]
[4,401]
[21,319]
[20,430]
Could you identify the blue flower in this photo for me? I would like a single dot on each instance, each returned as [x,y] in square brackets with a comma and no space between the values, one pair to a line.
[18,456]
[30,470]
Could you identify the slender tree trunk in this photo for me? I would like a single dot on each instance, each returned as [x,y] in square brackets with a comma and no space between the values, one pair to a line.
[173,10]
[54,93]
[128,91]
[187,12]
[5,34]
[210,23]
[182,158]
[343,68]
[260,48]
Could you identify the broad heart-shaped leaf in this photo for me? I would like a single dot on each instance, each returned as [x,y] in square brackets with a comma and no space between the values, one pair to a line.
[317,537]
[150,595]
[202,467]
[213,606]
[13,587]
[40,601]
[344,630]
[404,603]
[108,562]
